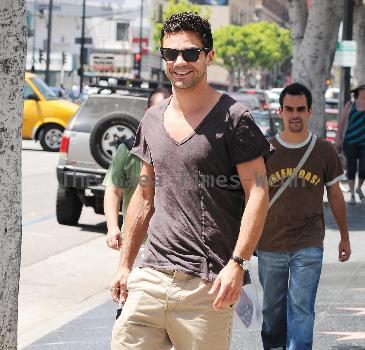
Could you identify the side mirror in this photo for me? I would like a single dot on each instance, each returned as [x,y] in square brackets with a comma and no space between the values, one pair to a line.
[32,97]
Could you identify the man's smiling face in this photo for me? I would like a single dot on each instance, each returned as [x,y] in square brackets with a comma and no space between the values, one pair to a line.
[182,74]
[295,113]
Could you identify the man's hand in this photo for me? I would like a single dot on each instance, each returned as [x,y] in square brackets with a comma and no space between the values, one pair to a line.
[119,285]
[227,285]
[344,250]
[113,238]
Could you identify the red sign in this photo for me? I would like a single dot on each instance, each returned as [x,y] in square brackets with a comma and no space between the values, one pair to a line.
[135,45]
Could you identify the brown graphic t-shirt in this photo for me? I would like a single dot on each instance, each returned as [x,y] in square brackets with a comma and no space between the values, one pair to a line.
[295,220]
[198,195]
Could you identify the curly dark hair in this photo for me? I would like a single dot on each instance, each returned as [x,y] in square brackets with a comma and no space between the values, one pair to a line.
[190,22]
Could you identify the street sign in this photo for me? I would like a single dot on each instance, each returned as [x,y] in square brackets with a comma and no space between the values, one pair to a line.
[345,55]
[87,41]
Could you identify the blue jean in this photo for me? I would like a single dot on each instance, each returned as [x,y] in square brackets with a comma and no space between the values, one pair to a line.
[290,281]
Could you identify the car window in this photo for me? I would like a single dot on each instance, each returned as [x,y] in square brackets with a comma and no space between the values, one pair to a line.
[279,124]
[263,124]
[44,89]
[28,91]
[249,100]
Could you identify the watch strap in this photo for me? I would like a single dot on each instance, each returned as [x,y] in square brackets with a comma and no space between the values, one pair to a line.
[240,261]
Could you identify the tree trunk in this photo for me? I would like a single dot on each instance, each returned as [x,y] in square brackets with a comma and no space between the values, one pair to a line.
[231,79]
[314,46]
[298,16]
[12,65]
[359,36]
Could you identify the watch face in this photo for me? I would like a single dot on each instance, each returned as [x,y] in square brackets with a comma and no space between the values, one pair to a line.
[242,262]
[245,264]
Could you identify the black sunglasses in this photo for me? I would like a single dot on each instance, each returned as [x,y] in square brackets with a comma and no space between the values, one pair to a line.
[189,55]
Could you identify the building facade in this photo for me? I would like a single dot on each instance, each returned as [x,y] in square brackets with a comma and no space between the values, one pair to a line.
[112,37]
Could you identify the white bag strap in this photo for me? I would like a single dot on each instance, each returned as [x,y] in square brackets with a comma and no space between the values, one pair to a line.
[295,171]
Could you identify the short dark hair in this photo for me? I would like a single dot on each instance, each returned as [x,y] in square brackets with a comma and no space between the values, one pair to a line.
[296,89]
[188,22]
[160,90]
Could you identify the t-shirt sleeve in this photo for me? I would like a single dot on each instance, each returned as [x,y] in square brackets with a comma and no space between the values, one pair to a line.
[115,175]
[248,142]
[141,148]
[334,170]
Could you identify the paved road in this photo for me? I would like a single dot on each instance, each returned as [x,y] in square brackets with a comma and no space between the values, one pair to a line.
[65,270]
[64,301]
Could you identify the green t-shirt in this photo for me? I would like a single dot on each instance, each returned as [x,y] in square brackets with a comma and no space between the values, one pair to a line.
[124,172]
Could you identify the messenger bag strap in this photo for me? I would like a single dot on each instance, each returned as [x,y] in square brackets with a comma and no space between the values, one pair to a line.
[295,171]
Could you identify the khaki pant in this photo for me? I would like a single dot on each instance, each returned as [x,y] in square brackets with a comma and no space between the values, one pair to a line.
[166,309]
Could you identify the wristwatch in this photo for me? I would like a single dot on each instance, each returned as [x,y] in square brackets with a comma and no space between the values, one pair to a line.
[242,262]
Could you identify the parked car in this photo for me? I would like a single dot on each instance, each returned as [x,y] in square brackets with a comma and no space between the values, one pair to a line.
[331,109]
[260,94]
[250,101]
[333,93]
[88,145]
[265,121]
[274,101]
[331,130]
[45,115]
[276,90]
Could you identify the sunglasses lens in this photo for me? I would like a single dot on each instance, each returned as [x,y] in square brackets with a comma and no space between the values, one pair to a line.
[190,55]
[169,54]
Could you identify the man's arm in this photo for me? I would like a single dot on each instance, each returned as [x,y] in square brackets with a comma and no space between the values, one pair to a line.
[230,280]
[337,204]
[112,199]
[139,213]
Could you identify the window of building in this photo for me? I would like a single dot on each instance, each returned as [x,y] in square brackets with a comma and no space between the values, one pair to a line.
[122,31]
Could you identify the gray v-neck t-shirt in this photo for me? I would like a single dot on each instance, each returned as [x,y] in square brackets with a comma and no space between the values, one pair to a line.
[199,199]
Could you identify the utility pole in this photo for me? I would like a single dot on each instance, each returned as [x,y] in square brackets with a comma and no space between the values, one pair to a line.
[48,59]
[35,15]
[346,71]
[140,41]
[82,50]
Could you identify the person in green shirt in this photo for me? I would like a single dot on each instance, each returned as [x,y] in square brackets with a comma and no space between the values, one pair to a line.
[122,178]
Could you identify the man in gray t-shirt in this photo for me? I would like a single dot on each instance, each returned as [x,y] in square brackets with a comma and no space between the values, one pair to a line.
[202,154]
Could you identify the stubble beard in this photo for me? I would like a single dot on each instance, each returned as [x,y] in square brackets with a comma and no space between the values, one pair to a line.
[188,84]
[297,127]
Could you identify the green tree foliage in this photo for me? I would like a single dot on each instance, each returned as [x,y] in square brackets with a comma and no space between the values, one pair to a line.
[171,7]
[255,45]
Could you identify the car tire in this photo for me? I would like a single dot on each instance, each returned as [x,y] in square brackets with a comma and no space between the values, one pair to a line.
[50,137]
[68,206]
[108,133]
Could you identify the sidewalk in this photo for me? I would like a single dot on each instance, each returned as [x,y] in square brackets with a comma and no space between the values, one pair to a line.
[340,307]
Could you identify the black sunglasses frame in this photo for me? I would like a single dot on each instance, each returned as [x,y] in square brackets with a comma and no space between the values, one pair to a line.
[184,53]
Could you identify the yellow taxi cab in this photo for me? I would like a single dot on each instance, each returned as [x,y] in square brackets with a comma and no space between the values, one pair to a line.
[45,115]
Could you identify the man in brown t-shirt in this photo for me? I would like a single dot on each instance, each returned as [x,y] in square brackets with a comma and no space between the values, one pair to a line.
[290,249]
[201,151]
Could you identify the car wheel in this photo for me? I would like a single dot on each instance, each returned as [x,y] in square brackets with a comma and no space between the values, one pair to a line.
[108,134]
[50,137]
[68,206]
